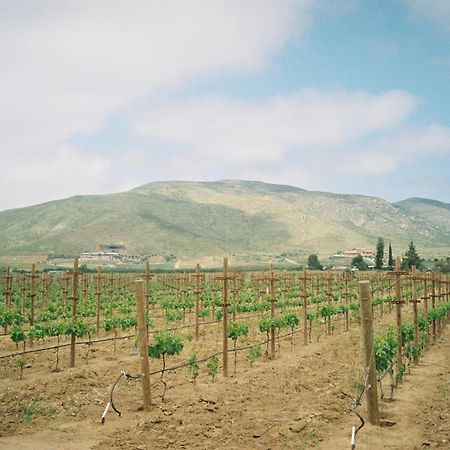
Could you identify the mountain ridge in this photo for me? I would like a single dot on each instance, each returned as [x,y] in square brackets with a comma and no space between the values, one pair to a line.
[221,217]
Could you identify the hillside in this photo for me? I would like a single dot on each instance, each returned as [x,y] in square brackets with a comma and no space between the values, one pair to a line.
[216,218]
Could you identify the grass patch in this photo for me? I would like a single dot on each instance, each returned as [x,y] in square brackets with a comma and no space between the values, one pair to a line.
[29,411]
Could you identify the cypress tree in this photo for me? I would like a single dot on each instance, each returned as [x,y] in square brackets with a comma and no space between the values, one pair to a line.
[379,256]
[390,258]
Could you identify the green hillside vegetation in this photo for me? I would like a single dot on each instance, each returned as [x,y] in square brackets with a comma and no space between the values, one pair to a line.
[217,218]
[436,214]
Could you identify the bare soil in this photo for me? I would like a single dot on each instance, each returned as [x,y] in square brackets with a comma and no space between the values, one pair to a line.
[300,400]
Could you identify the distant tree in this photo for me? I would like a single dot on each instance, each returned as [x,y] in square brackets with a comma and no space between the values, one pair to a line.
[412,258]
[83,268]
[442,265]
[390,258]
[314,263]
[379,256]
[359,263]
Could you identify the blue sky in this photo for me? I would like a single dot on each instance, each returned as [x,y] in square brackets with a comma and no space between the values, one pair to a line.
[345,96]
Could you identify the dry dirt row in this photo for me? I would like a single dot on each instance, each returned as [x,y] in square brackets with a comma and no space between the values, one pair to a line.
[299,401]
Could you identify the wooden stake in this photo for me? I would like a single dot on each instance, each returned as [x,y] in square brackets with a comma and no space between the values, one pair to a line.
[111,289]
[272,311]
[329,296]
[440,299]
[65,287]
[397,273]
[347,299]
[23,288]
[99,294]
[8,289]
[148,277]
[433,303]
[197,301]
[304,279]
[74,311]
[143,345]
[414,302]
[369,355]
[425,306]
[32,292]
[225,279]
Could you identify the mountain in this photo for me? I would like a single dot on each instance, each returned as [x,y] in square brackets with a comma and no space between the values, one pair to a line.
[217,218]
[432,211]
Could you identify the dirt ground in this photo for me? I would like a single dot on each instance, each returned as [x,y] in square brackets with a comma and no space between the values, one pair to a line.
[300,400]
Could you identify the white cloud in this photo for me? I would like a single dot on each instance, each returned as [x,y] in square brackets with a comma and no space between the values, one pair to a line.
[386,155]
[240,131]
[307,139]
[66,67]
[53,175]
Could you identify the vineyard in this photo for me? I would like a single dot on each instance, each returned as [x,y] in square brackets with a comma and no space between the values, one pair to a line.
[267,359]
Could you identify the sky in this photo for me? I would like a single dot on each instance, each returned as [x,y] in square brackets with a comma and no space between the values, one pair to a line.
[343,96]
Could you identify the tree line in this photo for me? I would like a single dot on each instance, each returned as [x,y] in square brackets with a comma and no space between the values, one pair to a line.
[409,259]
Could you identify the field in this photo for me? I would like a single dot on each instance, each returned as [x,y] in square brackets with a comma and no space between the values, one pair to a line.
[295,393]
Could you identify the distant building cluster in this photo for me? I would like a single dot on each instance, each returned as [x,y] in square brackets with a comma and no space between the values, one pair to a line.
[364,252]
[110,252]
[342,259]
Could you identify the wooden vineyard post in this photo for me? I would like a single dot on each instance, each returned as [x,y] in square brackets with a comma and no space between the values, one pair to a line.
[425,306]
[330,297]
[99,294]
[369,355]
[234,292]
[184,290]
[65,288]
[347,298]
[111,289]
[340,291]
[32,292]
[272,311]
[213,295]
[23,287]
[84,279]
[43,300]
[7,294]
[261,292]
[433,302]
[143,345]
[197,300]
[148,277]
[304,278]
[414,302]
[74,312]
[439,296]
[398,304]
[447,283]
[8,287]
[317,285]
[284,287]
[381,294]
[225,279]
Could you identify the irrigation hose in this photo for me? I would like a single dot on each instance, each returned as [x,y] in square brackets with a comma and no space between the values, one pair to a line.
[357,404]
[111,393]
